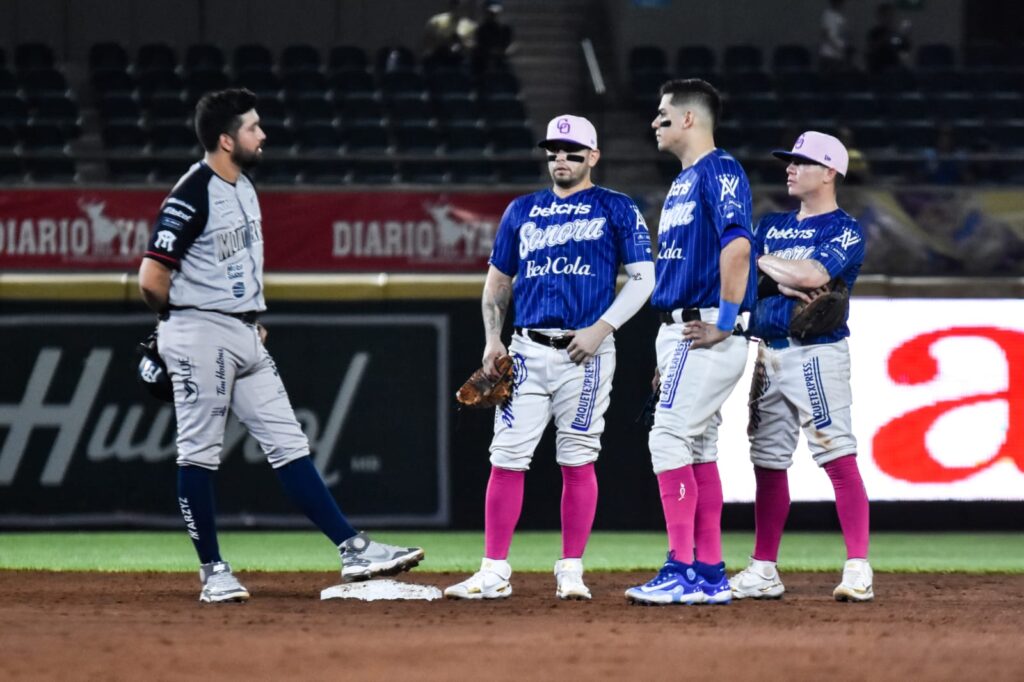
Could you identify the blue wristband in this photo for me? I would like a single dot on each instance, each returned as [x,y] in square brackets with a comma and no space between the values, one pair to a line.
[727,314]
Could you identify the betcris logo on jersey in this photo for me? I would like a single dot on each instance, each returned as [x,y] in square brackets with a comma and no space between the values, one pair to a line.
[559,209]
[788,233]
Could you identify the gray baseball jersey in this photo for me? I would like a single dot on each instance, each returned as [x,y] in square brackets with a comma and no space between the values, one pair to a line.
[217,225]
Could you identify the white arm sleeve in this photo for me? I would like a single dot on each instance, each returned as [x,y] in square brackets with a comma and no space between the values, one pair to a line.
[638,288]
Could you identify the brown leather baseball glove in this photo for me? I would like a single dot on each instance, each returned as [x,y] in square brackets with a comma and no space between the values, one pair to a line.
[480,391]
[823,314]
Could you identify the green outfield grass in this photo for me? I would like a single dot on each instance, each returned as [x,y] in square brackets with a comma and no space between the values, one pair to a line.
[531,551]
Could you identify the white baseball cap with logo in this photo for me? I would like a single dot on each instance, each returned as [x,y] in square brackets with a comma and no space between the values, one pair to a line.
[820,148]
[573,129]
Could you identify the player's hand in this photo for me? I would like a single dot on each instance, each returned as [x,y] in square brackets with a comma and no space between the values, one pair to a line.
[656,380]
[262,331]
[794,293]
[492,351]
[703,335]
[586,341]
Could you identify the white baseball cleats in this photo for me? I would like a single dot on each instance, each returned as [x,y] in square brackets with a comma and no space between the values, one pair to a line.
[857,582]
[363,558]
[759,580]
[219,585]
[569,578]
[490,582]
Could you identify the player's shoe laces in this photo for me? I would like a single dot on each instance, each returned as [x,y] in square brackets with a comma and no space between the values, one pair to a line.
[857,582]
[219,585]
[759,580]
[363,558]
[713,582]
[490,582]
[569,578]
[676,583]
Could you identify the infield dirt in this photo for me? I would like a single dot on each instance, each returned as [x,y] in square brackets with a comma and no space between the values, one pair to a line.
[89,626]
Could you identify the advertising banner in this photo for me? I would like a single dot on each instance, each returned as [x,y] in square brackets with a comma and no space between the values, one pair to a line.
[108,230]
[938,405]
[83,442]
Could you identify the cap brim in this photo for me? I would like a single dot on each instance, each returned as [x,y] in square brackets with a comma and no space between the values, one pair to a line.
[786,155]
[543,144]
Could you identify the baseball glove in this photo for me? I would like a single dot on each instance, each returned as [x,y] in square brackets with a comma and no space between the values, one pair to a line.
[481,391]
[151,371]
[825,313]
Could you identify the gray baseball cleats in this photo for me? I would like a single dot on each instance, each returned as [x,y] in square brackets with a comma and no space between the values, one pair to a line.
[362,558]
[219,585]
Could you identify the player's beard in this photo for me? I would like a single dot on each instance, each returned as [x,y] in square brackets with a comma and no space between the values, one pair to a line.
[245,159]
[572,179]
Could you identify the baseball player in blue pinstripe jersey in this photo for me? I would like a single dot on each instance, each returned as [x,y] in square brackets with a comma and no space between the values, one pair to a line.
[805,383]
[557,254]
[704,282]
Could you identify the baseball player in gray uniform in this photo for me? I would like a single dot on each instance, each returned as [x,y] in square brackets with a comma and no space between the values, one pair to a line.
[805,383]
[203,275]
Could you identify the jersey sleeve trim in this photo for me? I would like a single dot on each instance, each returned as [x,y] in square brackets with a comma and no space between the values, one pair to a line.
[173,262]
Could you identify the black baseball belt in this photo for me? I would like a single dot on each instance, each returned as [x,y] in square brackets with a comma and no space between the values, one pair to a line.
[556,342]
[691,315]
[248,317]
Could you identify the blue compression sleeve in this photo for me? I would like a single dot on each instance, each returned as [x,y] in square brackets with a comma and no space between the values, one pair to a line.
[727,314]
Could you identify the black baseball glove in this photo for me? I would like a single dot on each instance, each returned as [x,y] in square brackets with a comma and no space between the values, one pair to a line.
[825,313]
[152,372]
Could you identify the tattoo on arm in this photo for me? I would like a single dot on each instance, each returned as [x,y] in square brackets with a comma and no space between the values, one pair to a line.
[495,307]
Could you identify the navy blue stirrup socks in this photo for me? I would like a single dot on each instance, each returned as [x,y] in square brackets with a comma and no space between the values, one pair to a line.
[307,489]
[195,499]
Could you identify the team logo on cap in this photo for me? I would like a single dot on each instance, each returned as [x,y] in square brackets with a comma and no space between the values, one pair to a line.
[799,142]
[563,126]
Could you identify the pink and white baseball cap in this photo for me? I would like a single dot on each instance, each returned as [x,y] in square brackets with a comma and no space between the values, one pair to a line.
[818,147]
[574,129]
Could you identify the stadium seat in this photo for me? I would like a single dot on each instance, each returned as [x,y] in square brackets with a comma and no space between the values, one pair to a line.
[299,58]
[164,83]
[304,83]
[647,58]
[402,84]
[519,172]
[500,85]
[155,57]
[797,82]
[8,138]
[856,107]
[452,84]
[985,56]
[321,171]
[280,171]
[204,57]
[458,111]
[11,169]
[512,139]
[198,82]
[747,82]
[167,108]
[945,81]
[252,57]
[465,140]
[792,58]
[42,82]
[394,58]
[952,106]
[108,57]
[1007,137]
[936,57]
[351,82]
[357,111]
[425,172]
[411,111]
[873,135]
[124,137]
[504,112]
[347,58]
[58,110]
[1002,105]
[42,138]
[13,110]
[318,137]
[366,138]
[33,56]
[742,58]
[373,172]
[694,60]
[50,169]
[416,138]
[644,89]
[914,137]
[173,138]
[271,111]
[311,110]
[894,83]
[908,107]
[263,83]
[113,83]
[478,172]
[129,170]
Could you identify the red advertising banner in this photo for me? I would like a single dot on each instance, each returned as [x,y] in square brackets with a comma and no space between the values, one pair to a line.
[108,230]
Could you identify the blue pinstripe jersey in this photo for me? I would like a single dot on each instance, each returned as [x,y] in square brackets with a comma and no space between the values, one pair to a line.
[833,239]
[565,253]
[704,200]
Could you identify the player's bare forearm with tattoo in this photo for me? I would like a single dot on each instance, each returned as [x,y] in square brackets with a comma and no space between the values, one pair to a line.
[805,273]
[496,299]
